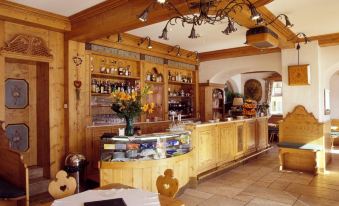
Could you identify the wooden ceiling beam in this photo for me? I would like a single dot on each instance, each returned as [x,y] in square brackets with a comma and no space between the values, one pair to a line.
[18,13]
[235,52]
[326,39]
[118,16]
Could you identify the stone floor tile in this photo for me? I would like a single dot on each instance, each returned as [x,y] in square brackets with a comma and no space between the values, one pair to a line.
[314,201]
[243,197]
[197,193]
[218,200]
[264,202]
[218,189]
[306,190]
[279,185]
[271,194]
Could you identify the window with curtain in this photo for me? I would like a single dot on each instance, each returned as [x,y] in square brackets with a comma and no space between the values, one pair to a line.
[276,98]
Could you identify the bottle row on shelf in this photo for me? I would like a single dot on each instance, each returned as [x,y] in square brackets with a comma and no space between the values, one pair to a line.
[179,93]
[107,87]
[115,69]
[178,77]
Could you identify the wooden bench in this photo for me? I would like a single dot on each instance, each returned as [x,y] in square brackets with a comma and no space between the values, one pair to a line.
[14,189]
[296,156]
[304,142]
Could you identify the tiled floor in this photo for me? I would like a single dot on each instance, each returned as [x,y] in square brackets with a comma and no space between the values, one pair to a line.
[259,183]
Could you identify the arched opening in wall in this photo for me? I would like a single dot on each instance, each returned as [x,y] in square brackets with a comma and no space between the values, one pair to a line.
[331,104]
[258,93]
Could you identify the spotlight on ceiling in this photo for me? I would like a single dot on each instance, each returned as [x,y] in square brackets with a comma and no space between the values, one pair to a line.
[144,15]
[176,47]
[230,27]
[149,42]
[161,1]
[255,15]
[193,53]
[119,38]
[193,34]
[164,34]
[288,24]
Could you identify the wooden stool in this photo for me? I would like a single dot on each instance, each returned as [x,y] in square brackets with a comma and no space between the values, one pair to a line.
[63,186]
[167,185]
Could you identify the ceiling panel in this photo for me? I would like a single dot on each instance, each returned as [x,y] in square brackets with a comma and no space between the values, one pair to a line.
[61,7]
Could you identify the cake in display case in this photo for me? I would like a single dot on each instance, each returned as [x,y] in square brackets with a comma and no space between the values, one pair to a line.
[145,147]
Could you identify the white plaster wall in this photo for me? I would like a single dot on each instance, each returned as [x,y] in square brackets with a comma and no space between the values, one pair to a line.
[218,71]
[236,83]
[302,95]
[334,95]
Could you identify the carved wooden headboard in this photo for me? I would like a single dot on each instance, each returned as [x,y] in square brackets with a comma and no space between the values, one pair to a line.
[301,127]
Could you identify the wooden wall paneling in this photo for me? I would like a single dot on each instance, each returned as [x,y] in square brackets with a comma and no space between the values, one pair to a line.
[19,13]
[2,72]
[43,135]
[166,112]
[27,71]
[130,43]
[206,144]
[197,93]
[250,127]
[78,109]
[227,138]
[56,102]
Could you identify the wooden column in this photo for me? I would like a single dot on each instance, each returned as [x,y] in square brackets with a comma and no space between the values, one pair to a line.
[2,73]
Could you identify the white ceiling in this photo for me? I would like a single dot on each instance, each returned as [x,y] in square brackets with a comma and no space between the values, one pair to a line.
[211,36]
[313,17]
[62,7]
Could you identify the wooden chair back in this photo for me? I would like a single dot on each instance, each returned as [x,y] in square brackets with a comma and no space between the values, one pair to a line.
[62,186]
[13,167]
[167,185]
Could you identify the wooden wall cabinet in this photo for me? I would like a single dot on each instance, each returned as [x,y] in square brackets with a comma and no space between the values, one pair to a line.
[240,143]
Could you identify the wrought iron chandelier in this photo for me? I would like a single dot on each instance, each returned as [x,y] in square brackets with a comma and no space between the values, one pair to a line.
[204,15]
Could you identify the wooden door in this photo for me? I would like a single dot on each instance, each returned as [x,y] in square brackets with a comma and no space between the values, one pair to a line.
[207,144]
[22,115]
[227,138]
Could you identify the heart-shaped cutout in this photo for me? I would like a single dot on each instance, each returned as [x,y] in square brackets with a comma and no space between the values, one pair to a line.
[63,188]
[166,186]
[77,83]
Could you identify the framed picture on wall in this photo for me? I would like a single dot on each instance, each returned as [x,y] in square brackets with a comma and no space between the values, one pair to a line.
[327,103]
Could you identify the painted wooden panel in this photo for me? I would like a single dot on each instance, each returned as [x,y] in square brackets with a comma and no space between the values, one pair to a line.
[27,115]
[227,134]
[206,148]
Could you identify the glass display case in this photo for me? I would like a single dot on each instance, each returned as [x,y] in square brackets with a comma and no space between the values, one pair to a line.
[144,147]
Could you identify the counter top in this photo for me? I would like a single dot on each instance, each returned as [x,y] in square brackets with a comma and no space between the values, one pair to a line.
[204,124]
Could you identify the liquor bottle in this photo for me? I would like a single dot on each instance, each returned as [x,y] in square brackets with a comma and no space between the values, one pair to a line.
[102,88]
[129,88]
[127,71]
[122,87]
[97,86]
[118,87]
[148,76]
[120,71]
[133,89]
[94,85]
[109,85]
[169,76]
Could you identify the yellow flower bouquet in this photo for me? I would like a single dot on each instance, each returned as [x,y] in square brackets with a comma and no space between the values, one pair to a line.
[129,106]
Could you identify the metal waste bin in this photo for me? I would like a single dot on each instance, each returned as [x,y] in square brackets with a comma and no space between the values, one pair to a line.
[75,165]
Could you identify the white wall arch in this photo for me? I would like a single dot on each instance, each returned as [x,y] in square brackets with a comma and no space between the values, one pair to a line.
[218,71]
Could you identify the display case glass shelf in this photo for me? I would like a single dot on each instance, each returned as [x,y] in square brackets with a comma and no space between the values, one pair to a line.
[144,147]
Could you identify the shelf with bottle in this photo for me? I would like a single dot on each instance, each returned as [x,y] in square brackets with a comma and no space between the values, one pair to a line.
[110,67]
[179,93]
[176,76]
[154,76]
[102,87]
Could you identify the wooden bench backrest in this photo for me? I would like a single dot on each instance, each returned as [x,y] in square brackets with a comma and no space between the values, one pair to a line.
[12,166]
[301,127]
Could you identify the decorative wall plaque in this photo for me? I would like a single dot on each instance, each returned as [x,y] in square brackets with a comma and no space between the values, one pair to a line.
[253,90]
[28,45]
[16,93]
[299,75]
[18,135]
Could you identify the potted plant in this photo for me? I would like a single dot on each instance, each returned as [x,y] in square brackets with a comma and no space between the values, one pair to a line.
[129,106]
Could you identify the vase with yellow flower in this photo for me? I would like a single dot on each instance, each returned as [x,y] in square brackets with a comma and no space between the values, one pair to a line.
[129,105]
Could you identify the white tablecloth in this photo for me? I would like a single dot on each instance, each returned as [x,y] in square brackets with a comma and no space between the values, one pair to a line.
[132,197]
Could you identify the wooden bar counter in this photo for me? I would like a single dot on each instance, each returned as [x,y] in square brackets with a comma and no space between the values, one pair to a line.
[214,146]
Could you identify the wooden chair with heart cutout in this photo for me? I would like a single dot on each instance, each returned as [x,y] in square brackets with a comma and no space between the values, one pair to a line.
[167,185]
[62,186]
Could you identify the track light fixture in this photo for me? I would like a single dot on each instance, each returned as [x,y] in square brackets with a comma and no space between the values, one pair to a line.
[176,47]
[204,15]
[149,42]
[288,24]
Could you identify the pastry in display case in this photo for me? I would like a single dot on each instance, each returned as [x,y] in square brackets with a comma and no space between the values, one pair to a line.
[249,108]
[145,147]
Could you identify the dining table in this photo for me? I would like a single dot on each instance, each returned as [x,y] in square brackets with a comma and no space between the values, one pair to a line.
[164,200]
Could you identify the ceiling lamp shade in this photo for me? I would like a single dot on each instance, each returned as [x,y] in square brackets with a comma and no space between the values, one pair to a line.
[262,38]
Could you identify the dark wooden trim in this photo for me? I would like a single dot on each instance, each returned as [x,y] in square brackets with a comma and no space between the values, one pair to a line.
[235,52]
[326,39]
